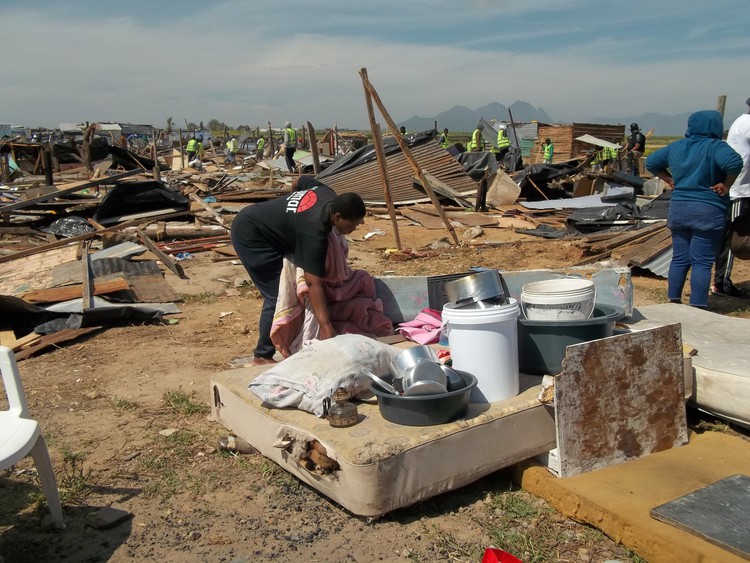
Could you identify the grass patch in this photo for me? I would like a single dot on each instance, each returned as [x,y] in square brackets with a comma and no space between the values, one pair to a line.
[73,481]
[204,297]
[276,476]
[181,402]
[448,548]
[122,405]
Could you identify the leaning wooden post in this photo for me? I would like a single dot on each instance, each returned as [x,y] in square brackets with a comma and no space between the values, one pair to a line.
[380,153]
[409,157]
[270,139]
[314,147]
[182,155]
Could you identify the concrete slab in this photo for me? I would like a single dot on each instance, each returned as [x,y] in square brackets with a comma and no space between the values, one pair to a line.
[618,499]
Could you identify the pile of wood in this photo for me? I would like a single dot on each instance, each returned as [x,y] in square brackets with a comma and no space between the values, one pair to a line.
[631,248]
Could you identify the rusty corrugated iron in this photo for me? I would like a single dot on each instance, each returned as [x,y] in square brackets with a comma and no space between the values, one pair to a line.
[365,179]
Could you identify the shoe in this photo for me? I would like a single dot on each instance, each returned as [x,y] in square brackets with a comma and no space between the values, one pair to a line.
[728,289]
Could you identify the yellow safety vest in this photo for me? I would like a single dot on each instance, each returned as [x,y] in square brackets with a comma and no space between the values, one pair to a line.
[548,152]
[191,145]
[476,140]
[502,139]
[445,143]
[292,135]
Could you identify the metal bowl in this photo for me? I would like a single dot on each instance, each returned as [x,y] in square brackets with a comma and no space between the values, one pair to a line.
[411,357]
[420,375]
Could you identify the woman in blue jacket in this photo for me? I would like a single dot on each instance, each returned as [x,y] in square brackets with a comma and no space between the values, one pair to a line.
[700,168]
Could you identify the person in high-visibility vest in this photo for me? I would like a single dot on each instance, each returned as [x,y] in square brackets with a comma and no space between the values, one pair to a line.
[476,143]
[444,142]
[549,150]
[190,148]
[503,143]
[259,147]
[290,145]
[231,150]
[199,152]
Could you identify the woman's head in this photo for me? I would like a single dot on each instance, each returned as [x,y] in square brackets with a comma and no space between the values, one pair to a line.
[347,212]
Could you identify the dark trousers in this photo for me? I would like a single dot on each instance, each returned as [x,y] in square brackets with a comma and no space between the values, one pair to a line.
[264,264]
[290,164]
[725,259]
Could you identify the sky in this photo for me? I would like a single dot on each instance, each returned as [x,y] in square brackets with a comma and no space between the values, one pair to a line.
[248,63]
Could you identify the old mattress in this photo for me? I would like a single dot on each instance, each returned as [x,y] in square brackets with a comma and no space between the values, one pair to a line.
[379,466]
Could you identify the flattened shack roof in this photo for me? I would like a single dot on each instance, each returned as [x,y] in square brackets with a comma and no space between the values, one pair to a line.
[359,172]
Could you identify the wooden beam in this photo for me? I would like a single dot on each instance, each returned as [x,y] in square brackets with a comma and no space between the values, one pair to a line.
[314,147]
[174,267]
[407,153]
[380,154]
[65,293]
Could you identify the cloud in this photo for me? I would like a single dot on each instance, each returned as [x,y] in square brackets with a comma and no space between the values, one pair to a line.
[248,63]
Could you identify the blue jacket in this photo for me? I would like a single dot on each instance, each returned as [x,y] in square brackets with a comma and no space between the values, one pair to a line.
[698,161]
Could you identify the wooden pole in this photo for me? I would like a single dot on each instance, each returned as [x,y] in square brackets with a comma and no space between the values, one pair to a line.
[270,139]
[48,179]
[407,153]
[380,153]
[314,148]
[182,154]
[721,104]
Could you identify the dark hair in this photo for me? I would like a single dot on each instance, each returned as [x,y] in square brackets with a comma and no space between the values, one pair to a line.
[349,205]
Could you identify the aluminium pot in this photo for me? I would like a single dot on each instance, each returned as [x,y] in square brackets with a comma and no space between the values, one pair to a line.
[487,285]
[410,357]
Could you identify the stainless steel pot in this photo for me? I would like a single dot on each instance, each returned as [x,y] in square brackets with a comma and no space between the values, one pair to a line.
[482,287]
[411,357]
[424,378]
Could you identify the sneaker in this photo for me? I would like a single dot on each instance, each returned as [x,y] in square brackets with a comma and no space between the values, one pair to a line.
[728,289]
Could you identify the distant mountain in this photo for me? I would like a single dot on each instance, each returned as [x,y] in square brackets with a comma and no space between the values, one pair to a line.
[460,118]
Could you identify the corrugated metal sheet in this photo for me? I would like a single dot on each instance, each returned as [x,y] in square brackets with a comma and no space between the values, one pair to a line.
[430,156]
[660,265]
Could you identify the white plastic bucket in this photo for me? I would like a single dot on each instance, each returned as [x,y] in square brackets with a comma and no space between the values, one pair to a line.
[484,342]
[565,299]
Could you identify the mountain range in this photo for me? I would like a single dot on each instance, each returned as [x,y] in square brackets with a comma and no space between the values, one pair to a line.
[460,118]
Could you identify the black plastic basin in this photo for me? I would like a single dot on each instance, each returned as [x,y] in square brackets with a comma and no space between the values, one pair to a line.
[425,410]
[541,344]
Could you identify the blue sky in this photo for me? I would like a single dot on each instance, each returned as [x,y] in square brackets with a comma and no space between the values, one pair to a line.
[274,60]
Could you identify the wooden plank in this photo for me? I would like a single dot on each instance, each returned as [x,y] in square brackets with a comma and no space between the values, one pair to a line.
[173,266]
[627,393]
[7,335]
[32,272]
[628,236]
[52,339]
[28,340]
[425,219]
[57,294]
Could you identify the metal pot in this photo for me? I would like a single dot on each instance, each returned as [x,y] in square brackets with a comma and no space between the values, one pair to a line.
[411,357]
[424,378]
[481,287]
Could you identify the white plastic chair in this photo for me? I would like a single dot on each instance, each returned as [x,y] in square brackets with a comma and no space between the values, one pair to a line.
[21,435]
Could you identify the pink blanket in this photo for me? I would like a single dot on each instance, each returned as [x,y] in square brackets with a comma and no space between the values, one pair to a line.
[352,304]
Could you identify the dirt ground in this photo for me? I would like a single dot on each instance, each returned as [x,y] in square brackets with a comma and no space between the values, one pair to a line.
[125,413]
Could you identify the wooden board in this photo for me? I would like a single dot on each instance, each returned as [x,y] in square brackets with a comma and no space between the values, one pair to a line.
[426,220]
[57,294]
[718,513]
[626,391]
[32,272]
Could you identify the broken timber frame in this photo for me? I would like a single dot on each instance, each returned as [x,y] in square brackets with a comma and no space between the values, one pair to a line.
[407,153]
[378,142]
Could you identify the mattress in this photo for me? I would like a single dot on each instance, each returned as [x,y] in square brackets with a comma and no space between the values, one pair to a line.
[377,466]
[721,367]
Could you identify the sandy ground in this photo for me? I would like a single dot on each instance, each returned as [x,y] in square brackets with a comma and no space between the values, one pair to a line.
[125,414]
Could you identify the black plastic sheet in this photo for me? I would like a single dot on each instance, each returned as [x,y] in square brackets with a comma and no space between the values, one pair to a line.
[139,197]
[71,226]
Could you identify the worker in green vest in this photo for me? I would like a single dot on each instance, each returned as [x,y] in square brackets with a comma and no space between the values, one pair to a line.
[549,150]
[476,143]
[290,145]
[503,142]
[260,145]
[190,148]
[231,151]
[444,142]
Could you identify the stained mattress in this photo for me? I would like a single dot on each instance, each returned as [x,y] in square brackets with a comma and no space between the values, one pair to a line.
[382,466]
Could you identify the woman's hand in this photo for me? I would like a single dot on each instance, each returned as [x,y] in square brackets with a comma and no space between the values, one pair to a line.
[721,188]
